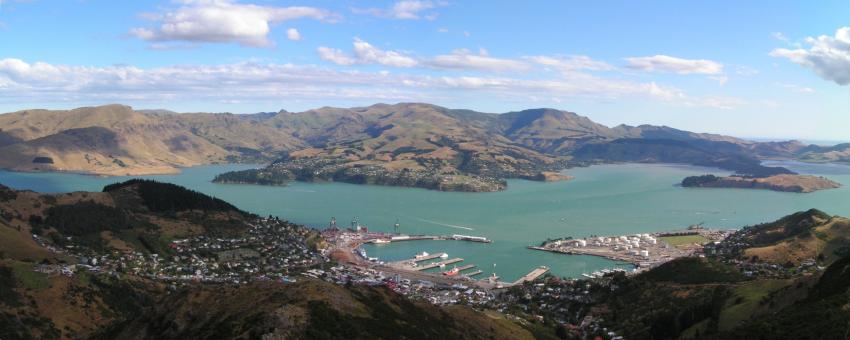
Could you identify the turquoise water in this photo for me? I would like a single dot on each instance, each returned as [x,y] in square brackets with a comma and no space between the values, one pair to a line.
[601,200]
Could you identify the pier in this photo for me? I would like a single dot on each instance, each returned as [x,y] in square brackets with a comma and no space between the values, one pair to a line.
[426,258]
[470,275]
[465,267]
[438,264]
[533,275]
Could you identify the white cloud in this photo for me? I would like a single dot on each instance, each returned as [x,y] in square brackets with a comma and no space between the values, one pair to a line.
[572,63]
[779,36]
[797,88]
[465,60]
[664,63]
[335,56]
[827,56]
[366,53]
[746,71]
[223,21]
[404,10]
[462,59]
[45,83]
[293,34]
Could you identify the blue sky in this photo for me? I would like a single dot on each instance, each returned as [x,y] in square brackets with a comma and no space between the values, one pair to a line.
[767,69]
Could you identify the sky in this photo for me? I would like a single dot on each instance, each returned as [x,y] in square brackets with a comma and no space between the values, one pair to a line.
[755,69]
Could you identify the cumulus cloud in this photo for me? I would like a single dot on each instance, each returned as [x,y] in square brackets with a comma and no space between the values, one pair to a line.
[223,21]
[827,56]
[404,10]
[366,53]
[664,63]
[293,34]
[23,81]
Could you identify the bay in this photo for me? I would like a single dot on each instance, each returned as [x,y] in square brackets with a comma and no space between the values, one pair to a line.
[601,200]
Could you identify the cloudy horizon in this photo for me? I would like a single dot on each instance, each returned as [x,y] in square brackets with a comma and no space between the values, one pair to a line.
[740,69]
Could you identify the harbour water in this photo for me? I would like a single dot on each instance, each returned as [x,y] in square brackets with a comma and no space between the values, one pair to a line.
[601,200]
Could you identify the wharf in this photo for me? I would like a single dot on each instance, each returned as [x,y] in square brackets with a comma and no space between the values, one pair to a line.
[438,264]
[475,273]
[465,267]
[426,258]
[533,275]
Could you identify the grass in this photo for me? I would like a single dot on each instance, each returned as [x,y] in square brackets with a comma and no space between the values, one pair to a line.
[746,300]
[683,240]
[27,277]
[16,245]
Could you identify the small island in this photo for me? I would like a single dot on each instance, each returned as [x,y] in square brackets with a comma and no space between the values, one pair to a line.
[782,182]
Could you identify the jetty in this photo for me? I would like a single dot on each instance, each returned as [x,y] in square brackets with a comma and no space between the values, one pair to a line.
[465,267]
[470,275]
[426,258]
[439,264]
[533,275]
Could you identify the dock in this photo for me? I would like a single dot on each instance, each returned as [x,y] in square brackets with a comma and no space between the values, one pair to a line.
[533,275]
[438,264]
[470,275]
[426,258]
[465,267]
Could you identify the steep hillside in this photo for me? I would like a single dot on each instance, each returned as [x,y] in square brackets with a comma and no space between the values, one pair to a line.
[111,140]
[417,145]
[809,235]
[553,131]
[308,309]
[823,314]
[837,153]
[137,214]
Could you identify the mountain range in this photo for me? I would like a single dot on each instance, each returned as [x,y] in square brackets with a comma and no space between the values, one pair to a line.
[411,144]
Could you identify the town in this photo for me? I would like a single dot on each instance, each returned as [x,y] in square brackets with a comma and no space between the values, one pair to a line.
[271,249]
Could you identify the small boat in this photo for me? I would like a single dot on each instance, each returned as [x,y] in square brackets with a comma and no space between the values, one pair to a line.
[444,256]
[362,253]
[421,255]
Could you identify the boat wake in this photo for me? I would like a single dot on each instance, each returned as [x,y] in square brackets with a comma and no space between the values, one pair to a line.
[443,224]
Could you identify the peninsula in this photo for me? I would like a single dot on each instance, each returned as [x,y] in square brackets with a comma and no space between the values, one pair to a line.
[783,182]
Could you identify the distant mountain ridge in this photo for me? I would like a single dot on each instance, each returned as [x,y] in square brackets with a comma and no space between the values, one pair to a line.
[117,140]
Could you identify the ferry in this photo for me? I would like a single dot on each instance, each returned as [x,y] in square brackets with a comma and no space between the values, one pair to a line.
[452,272]
[380,241]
